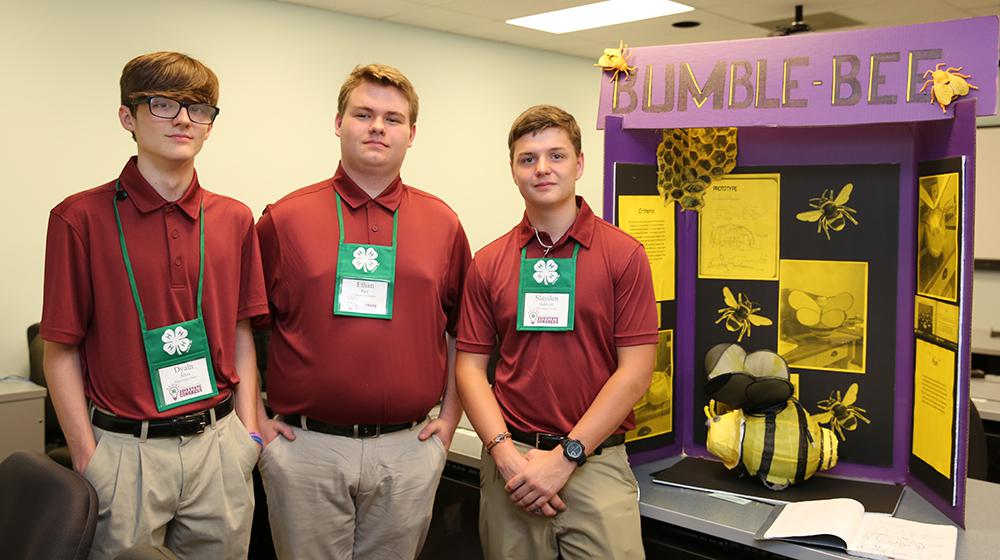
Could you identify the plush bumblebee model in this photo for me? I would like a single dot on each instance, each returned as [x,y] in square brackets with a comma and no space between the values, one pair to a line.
[755,424]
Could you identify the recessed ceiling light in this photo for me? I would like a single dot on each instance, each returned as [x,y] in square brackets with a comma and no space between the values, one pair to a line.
[600,14]
[686,24]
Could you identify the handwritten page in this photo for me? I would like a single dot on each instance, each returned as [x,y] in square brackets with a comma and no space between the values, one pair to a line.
[738,228]
[881,536]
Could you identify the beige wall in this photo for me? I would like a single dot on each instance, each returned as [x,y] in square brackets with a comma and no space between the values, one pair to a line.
[281,67]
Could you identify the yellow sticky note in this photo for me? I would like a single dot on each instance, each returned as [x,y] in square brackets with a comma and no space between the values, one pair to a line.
[738,229]
[934,406]
[648,219]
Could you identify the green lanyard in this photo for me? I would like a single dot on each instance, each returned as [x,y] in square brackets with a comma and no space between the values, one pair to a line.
[178,355]
[546,293]
[366,275]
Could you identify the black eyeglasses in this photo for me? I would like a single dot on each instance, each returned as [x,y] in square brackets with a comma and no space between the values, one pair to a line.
[166,108]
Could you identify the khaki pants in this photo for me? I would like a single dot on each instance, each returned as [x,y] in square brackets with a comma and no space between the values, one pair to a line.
[601,518]
[339,497]
[192,494]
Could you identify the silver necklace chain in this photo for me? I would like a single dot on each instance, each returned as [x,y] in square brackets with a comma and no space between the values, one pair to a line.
[542,243]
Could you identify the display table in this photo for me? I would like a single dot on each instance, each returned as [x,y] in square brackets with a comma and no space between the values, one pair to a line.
[702,513]
[22,416]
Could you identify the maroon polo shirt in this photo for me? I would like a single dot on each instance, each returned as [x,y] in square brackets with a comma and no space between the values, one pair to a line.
[88,301]
[352,370]
[546,381]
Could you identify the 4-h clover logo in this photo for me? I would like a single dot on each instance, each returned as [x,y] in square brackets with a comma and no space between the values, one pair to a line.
[545,272]
[365,258]
[176,341]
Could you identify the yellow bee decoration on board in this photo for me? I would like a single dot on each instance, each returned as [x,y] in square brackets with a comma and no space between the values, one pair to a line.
[829,212]
[740,314]
[616,60]
[841,413]
[820,313]
[756,426]
[949,85]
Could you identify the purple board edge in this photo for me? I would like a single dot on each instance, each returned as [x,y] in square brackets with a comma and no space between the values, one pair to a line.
[939,140]
[621,146]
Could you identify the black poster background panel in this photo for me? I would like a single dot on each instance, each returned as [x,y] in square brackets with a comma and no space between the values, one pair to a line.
[873,240]
[633,179]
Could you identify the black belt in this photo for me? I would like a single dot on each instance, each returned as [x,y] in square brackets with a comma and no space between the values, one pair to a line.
[186,425]
[351,431]
[546,442]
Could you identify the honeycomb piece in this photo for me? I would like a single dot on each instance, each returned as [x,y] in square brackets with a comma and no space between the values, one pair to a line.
[689,159]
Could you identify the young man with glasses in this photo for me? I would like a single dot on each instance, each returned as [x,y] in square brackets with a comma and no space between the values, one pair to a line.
[364,276]
[150,284]
[568,298]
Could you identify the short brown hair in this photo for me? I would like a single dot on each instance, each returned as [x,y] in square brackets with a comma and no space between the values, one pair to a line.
[169,74]
[540,117]
[382,74]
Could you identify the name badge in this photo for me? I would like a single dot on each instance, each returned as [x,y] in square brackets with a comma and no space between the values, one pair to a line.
[363,296]
[546,310]
[185,381]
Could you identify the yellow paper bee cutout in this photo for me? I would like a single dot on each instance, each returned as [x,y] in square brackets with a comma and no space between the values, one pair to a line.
[740,313]
[841,413]
[830,213]
[949,85]
[616,60]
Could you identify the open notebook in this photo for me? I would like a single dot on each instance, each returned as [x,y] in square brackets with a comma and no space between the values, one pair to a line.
[842,523]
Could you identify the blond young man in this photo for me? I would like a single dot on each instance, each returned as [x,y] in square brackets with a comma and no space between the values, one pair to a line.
[150,284]
[568,300]
[364,276]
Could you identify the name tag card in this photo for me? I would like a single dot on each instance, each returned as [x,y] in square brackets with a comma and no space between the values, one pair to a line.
[546,310]
[363,296]
[185,381]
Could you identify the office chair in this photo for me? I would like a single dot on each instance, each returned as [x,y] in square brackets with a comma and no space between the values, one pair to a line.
[55,441]
[978,456]
[47,511]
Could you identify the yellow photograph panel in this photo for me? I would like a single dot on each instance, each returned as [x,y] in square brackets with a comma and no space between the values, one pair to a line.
[654,409]
[937,236]
[822,314]
[648,219]
[934,406]
[738,229]
[936,319]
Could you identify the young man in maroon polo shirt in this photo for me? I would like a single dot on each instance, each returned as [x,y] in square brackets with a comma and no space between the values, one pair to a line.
[364,276]
[568,298]
[150,284]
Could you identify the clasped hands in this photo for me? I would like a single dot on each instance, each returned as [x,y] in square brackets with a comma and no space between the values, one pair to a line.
[534,478]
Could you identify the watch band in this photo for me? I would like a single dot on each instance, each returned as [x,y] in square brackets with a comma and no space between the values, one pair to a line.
[496,439]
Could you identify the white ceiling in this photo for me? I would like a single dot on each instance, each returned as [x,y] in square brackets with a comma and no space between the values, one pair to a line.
[720,19]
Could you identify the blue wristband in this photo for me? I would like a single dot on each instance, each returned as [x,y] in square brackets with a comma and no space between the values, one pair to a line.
[257,439]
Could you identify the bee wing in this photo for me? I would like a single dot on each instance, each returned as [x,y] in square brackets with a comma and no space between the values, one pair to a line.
[944,93]
[958,85]
[925,197]
[823,417]
[760,321]
[727,295]
[844,194]
[801,300]
[843,300]
[851,396]
[810,216]
[833,318]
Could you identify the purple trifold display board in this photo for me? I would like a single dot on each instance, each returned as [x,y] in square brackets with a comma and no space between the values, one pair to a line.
[906,135]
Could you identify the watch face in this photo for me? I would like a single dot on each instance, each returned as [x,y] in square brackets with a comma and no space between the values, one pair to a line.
[574,449]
